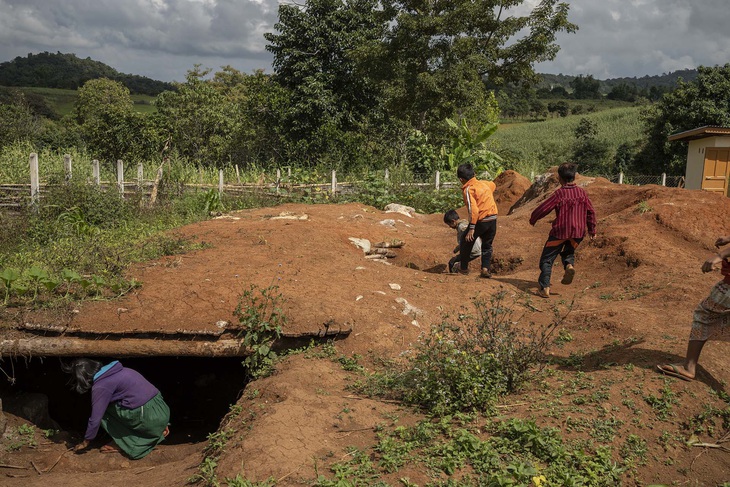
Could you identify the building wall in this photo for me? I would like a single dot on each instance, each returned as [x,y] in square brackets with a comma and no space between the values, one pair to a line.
[696,159]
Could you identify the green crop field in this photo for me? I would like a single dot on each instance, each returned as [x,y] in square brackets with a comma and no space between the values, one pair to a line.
[535,146]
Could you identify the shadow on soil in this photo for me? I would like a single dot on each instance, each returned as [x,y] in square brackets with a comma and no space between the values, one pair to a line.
[627,353]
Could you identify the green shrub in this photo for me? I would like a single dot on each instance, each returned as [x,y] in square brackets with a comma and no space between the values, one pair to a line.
[469,364]
[261,319]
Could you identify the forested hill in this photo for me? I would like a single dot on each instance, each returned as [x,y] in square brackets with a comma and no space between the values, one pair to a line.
[667,80]
[67,71]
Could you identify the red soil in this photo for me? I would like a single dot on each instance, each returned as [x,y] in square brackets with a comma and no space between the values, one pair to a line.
[634,293]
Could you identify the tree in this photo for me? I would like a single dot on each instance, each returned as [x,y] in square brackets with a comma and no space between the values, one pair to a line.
[585,87]
[108,125]
[436,54]
[704,101]
[623,92]
[588,151]
[316,60]
[405,60]
[17,121]
[197,119]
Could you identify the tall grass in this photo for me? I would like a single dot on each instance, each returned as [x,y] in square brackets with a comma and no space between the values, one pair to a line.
[536,146]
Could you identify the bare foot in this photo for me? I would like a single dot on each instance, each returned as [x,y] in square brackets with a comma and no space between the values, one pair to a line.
[110,448]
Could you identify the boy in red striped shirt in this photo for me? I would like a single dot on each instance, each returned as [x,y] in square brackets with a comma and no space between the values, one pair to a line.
[573,215]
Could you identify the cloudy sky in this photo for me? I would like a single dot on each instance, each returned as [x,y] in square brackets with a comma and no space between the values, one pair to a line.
[162,39]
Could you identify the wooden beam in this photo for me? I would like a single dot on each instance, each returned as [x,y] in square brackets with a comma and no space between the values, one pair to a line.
[126,347]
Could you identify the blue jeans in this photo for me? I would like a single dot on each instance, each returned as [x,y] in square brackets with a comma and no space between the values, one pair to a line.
[554,247]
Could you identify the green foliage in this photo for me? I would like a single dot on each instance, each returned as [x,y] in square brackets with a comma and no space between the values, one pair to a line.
[261,318]
[537,146]
[704,101]
[590,152]
[467,365]
[470,146]
[517,452]
[24,435]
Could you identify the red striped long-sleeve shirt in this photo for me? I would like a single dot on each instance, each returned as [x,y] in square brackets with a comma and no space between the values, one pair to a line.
[573,212]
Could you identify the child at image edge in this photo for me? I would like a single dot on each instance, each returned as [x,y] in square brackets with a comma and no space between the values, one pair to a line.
[479,200]
[573,214]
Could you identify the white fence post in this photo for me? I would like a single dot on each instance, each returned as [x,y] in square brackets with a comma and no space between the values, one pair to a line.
[120,177]
[35,182]
[334,182]
[664,179]
[95,173]
[220,181]
[278,180]
[238,175]
[438,180]
[288,173]
[140,175]
[532,176]
[67,166]
[621,178]
[387,174]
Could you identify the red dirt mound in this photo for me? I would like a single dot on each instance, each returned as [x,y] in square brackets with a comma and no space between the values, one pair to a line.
[511,185]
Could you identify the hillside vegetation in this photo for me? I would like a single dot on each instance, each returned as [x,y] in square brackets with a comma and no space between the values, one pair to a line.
[67,71]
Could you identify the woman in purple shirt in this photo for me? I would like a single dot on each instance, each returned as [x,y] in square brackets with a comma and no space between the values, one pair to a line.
[124,403]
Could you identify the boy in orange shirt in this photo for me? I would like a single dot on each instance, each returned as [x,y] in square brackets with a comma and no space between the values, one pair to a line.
[479,200]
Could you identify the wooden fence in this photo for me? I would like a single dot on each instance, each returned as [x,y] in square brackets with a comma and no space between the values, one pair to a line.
[18,195]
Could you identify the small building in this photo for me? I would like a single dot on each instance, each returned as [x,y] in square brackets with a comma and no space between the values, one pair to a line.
[708,158]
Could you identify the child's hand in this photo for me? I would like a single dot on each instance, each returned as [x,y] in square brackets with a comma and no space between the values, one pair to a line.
[722,241]
[711,263]
[593,238]
[470,236]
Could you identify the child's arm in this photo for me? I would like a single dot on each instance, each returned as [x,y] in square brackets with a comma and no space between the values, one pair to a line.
[546,207]
[590,219]
[717,259]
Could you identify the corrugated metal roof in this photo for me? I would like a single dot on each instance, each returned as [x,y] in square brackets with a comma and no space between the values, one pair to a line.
[700,133]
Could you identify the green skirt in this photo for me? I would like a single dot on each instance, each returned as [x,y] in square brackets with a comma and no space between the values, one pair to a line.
[137,431]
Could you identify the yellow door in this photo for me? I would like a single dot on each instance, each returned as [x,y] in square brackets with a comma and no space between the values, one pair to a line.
[717,170]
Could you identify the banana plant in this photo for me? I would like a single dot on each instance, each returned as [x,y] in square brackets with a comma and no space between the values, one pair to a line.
[470,146]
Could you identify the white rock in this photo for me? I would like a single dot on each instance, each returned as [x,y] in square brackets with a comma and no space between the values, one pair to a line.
[361,243]
[394,286]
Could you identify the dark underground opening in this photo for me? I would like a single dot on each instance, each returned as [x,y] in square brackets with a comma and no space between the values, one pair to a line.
[199,391]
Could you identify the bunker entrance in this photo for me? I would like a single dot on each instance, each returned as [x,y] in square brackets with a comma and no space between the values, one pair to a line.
[198,390]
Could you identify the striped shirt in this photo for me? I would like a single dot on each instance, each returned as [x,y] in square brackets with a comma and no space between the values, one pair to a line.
[479,200]
[573,212]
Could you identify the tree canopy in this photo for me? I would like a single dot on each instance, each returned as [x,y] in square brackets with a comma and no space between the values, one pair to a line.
[704,101]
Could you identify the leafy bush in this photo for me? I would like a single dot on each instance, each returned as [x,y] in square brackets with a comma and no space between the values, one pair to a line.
[261,319]
[467,365]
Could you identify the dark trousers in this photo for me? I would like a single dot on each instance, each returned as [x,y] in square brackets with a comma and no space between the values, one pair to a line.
[486,230]
[554,247]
